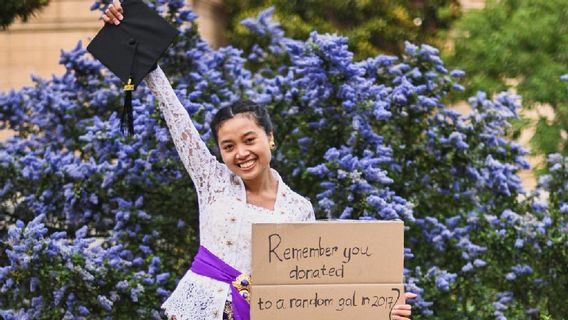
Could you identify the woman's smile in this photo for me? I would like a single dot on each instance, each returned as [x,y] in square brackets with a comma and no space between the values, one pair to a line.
[247,165]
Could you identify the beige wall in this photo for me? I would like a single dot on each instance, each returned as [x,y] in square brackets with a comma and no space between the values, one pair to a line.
[34,47]
[211,20]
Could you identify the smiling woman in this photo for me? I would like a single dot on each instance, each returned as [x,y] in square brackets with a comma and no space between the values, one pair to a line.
[244,134]
[245,149]
[232,195]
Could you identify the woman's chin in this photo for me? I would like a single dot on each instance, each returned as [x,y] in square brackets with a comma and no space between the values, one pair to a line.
[248,176]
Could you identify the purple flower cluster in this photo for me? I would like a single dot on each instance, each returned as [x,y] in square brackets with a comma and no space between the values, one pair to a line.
[67,277]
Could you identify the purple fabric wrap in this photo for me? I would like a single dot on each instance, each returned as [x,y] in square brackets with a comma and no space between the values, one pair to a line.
[207,264]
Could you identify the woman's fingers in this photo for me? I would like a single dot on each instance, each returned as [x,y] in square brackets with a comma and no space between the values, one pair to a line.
[114,14]
[401,312]
[410,295]
[110,17]
[106,19]
[117,5]
[402,307]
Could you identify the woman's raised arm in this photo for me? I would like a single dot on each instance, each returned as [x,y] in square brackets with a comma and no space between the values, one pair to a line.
[201,165]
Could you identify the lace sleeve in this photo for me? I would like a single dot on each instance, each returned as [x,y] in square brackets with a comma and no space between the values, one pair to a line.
[305,208]
[202,166]
[310,215]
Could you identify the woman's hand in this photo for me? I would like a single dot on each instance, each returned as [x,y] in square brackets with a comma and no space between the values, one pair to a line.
[403,311]
[114,13]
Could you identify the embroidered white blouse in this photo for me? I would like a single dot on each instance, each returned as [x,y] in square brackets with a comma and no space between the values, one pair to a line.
[225,217]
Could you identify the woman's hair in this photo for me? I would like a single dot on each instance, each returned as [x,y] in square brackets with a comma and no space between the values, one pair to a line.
[258,112]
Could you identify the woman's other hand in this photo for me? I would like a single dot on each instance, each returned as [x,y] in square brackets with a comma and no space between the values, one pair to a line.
[114,13]
[403,311]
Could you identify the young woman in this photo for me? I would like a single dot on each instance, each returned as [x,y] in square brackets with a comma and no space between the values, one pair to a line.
[232,195]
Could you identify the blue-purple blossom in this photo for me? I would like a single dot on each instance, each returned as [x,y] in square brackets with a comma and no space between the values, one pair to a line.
[105,303]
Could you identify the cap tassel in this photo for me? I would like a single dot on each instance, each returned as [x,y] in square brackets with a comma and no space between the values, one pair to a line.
[127,117]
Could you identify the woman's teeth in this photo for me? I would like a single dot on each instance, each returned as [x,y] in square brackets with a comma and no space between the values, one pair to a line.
[246,165]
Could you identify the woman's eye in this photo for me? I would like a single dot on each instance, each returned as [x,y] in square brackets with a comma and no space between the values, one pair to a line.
[228,148]
[250,140]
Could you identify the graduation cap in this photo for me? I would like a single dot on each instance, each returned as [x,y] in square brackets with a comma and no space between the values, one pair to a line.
[131,49]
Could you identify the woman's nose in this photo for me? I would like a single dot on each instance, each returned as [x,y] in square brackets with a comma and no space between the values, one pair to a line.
[242,152]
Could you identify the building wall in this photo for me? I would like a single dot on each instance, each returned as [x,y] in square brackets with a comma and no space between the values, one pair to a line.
[211,20]
[34,47]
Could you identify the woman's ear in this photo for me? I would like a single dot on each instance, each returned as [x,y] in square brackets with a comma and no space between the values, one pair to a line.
[271,141]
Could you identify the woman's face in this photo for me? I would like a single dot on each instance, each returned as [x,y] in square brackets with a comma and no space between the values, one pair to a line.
[245,147]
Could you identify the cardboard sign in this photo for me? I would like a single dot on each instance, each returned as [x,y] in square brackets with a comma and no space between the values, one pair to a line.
[327,270]
[328,301]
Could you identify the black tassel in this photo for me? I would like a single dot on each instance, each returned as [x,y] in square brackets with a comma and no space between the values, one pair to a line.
[127,117]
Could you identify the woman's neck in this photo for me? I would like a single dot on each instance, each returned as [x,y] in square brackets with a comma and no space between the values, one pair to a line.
[265,183]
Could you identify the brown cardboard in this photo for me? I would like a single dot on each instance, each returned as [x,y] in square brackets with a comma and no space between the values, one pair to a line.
[328,301]
[365,285]
[374,245]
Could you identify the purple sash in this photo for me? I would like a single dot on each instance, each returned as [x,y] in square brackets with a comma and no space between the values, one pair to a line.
[207,264]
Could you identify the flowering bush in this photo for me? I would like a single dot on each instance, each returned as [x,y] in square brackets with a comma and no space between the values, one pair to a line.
[53,277]
[365,139]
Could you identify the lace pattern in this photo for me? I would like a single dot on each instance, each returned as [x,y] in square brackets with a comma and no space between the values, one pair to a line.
[225,218]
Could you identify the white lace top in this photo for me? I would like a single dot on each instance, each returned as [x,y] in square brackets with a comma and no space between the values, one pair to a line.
[225,217]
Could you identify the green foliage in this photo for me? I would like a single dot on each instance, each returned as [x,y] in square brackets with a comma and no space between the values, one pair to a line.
[521,44]
[372,27]
[24,9]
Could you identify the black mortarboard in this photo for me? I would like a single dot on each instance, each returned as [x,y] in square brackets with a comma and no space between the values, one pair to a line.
[131,49]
